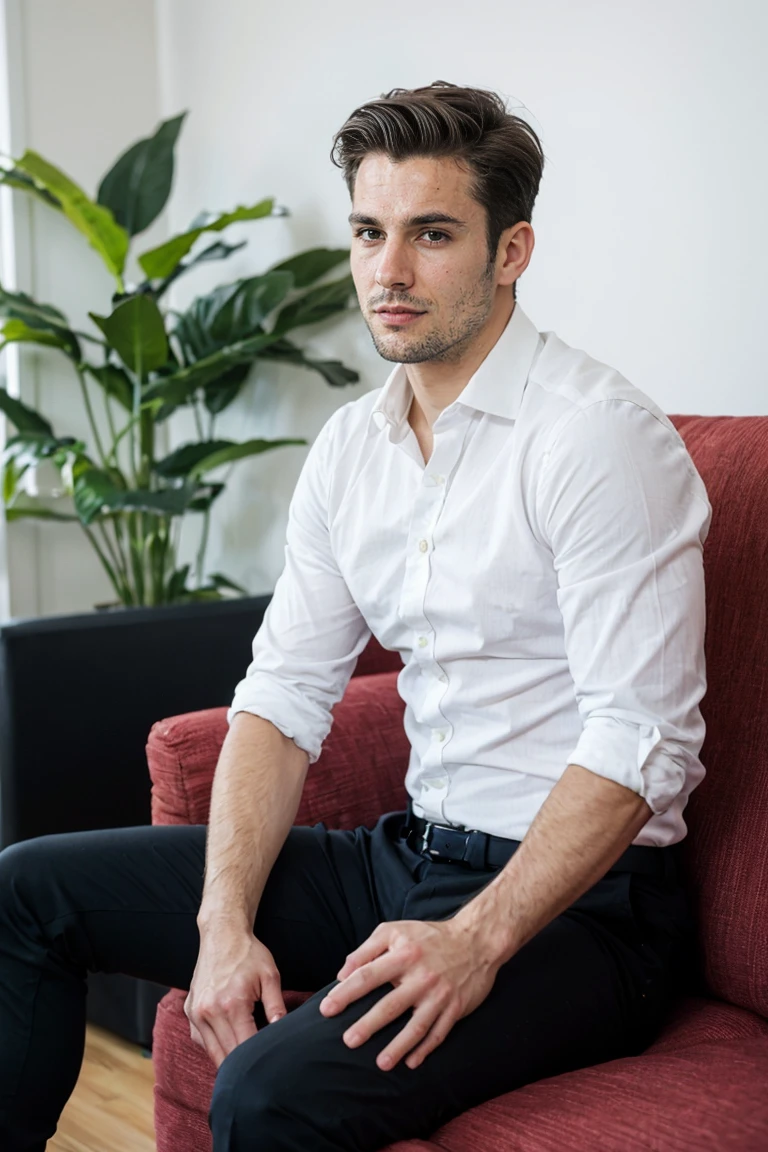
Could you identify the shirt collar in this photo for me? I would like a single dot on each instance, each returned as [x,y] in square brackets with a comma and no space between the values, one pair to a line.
[496,387]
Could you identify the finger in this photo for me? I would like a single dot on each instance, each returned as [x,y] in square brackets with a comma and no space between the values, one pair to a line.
[425,1030]
[391,967]
[194,1033]
[221,1025]
[432,1040]
[211,1043]
[242,1026]
[376,943]
[272,997]
[389,1008]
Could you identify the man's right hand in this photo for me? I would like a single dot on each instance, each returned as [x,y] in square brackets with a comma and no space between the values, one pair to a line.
[233,971]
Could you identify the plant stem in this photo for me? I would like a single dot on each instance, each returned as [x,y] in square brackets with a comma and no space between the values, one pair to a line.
[121,586]
[198,421]
[135,550]
[91,418]
[113,433]
[124,549]
[203,546]
[107,566]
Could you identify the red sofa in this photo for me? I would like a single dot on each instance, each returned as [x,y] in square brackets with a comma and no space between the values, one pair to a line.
[704,1083]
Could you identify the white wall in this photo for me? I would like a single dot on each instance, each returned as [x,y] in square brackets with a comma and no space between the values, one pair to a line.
[651,225]
[83,85]
[651,222]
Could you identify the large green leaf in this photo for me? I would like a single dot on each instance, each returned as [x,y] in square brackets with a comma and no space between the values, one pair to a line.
[137,333]
[317,304]
[26,450]
[29,448]
[17,332]
[333,371]
[177,583]
[202,503]
[238,452]
[96,493]
[137,188]
[182,460]
[219,394]
[230,313]
[41,317]
[181,386]
[218,251]
[15,178]
[159,262]
[198,458]
[24,418]
[94,221]
[309,266]
[25,511]
[220,581]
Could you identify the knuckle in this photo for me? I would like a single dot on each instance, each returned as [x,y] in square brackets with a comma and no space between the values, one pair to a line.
[420,1027]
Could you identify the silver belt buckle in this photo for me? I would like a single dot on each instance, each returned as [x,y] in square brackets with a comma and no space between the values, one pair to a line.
[424,835]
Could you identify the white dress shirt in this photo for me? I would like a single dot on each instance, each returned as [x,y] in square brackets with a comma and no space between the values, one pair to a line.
[541,577]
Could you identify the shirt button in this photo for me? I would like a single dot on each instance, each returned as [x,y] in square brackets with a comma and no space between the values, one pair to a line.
[423,545]
[423,641]
[438,479]
[443,678]
[440,736]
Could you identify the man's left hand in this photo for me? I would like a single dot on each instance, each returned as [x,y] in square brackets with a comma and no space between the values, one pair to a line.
[437,969]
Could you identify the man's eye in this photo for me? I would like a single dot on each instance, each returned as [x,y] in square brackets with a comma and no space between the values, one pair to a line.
[362,233]
[431,233]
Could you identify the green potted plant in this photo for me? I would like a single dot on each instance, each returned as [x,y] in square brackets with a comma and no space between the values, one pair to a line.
[144,361]
[79,693]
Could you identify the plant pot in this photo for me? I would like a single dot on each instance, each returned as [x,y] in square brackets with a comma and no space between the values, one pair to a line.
[78,696]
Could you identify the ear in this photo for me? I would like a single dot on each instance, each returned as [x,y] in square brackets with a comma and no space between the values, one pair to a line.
[514,252]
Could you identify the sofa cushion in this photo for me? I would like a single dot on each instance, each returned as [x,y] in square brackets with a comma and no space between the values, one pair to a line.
[687,1050]
[359,775]
[725,854]
[706,1098]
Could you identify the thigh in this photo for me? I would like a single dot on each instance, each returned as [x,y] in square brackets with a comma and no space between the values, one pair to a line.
[566,1000]
[117,900]
[127,899]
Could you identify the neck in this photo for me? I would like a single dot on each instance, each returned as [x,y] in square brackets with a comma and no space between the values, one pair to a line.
[436,384]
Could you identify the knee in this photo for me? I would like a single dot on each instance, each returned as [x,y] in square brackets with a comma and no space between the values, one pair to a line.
[19,865]
[29,871]
[255,1102]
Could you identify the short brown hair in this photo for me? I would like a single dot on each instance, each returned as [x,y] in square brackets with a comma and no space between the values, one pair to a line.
[502,150]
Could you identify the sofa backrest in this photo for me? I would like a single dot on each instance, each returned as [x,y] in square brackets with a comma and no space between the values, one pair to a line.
[725,854]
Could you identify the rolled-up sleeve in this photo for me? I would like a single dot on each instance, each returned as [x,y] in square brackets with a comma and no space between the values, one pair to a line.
[312,633]
[626,515]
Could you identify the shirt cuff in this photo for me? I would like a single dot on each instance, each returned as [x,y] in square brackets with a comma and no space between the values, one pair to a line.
[287,710]
[633,755]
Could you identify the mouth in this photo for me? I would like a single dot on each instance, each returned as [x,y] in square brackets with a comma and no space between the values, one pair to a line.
[397,315]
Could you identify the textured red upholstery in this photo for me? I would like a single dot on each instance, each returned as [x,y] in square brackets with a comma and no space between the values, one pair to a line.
[701,1085]
[728,814]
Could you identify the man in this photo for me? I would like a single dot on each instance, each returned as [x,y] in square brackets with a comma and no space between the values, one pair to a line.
[525,527]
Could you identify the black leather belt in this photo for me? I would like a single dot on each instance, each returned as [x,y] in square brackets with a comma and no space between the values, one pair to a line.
[481,851]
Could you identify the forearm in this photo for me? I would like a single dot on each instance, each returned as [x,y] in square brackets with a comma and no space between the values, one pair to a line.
[256,791]
[581,829]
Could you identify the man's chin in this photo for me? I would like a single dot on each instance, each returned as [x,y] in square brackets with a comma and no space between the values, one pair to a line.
[400,350]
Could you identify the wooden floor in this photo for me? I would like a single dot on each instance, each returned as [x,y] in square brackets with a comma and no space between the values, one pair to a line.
[111,1108]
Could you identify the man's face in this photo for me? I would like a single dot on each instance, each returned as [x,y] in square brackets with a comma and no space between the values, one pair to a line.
[419,243]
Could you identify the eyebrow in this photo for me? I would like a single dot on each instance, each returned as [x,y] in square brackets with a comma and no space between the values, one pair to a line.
[414,222]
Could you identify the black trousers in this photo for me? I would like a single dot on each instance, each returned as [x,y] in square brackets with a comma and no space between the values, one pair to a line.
[592,986]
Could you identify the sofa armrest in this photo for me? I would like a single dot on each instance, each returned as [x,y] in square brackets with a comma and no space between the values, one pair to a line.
[359,775]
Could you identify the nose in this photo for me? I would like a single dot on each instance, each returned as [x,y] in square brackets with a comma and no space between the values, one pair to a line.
[393,269]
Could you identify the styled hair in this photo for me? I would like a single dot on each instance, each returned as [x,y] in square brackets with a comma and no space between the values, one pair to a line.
[502,151]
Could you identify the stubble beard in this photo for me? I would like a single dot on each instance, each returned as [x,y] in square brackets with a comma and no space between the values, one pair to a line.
[447,345]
